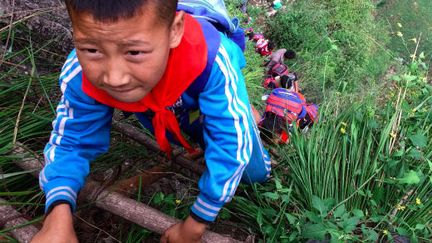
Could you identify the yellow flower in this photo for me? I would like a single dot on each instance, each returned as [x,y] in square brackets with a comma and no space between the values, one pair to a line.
[399,34]
[393,134]
[418,201]
[400,207]
[414,110]
[414,40]
[385,232]
[177,201]
[342,130]
[399,25]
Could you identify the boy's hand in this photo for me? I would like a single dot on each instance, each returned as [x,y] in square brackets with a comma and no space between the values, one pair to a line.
[57,227]
[189,231]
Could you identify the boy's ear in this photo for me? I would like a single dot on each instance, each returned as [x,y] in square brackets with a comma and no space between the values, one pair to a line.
[177,29]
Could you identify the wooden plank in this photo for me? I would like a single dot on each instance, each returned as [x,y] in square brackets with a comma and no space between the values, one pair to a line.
[12,219]
[119,204]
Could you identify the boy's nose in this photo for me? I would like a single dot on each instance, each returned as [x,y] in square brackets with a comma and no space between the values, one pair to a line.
[116,77]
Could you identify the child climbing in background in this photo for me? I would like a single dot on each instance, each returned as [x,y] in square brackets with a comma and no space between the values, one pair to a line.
[252,36]
[288,81]
[283,107]
[264,47]
[278,57]
[276,6]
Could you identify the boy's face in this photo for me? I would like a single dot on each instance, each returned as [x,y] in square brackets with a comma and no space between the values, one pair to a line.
[128,57]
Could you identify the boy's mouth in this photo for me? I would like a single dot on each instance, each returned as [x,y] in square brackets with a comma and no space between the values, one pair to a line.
[125,90]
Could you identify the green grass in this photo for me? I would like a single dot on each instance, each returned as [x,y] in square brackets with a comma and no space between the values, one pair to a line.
[415,19]
[253,74]
[25,116]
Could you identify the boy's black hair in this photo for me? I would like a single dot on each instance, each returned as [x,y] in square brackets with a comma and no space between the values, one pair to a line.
[290,54]
[286,82]
[270,45]
[306,121]
[250,35]
[113,10]
[271,125]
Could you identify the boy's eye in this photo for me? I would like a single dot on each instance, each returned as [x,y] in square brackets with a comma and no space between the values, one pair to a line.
[135,53]
[91,50]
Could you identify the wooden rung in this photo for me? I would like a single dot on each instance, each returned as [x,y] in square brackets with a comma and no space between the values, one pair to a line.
[119,204]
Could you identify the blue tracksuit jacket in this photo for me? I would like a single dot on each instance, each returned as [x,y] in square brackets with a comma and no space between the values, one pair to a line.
[81,132]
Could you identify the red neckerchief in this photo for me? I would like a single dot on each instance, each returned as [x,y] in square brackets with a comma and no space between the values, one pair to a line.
[186,62]
[284,137]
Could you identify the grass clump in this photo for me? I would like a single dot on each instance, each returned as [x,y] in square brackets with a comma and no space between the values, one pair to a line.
[361,174]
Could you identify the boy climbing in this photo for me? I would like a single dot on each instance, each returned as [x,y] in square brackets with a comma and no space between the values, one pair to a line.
[149,58]
[283,107]
[264,47]
[278,57]
[288,81]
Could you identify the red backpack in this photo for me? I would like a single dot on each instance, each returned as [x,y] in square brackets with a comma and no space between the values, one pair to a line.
[279,69]
[312,111]
[270,83]
[286,104]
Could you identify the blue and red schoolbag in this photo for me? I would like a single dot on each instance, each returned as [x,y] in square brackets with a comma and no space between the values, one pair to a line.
[213,17]
[286,104]
[310,118]
[312,112]
[214,12]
